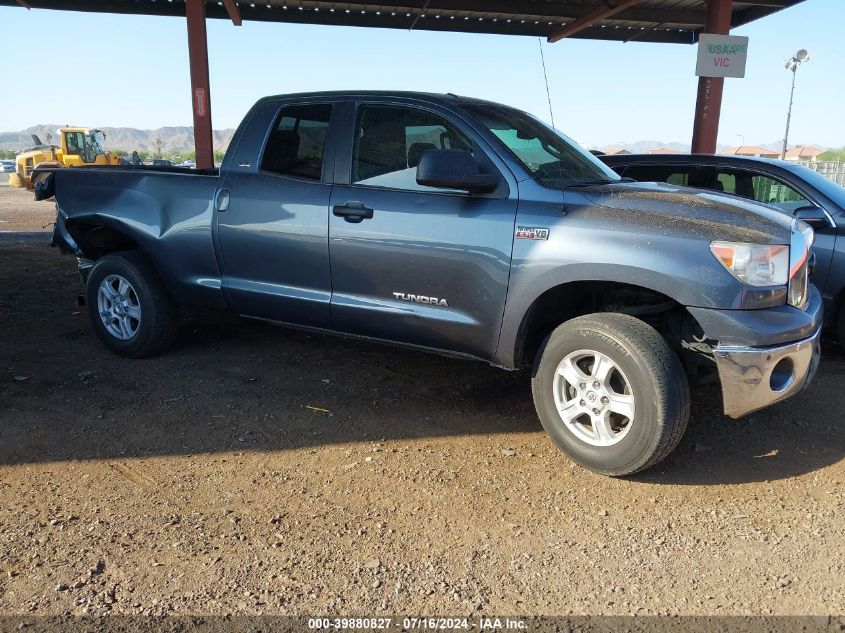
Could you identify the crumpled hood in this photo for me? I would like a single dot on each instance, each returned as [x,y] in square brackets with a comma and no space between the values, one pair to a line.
[710,215]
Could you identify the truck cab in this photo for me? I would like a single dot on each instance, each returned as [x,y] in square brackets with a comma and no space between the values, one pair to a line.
[81,146]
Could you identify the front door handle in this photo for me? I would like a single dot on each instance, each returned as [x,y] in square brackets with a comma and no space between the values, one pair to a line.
[221,200]
[352,211]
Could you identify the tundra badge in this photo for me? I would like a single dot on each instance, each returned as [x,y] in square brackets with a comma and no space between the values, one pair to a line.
[421,299]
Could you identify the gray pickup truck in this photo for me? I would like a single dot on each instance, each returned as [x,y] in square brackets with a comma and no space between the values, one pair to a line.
[468,228]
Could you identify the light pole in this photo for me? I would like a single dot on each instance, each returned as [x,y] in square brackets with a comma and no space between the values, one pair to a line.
[792,64]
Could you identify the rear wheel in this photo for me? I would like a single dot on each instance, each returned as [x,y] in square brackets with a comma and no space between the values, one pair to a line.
[611,393]
[129,307]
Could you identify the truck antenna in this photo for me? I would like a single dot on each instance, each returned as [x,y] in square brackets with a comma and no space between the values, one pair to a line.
[551,115]
[546,78]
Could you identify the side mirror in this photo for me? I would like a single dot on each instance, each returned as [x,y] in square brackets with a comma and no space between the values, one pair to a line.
[453,169]
[814,216]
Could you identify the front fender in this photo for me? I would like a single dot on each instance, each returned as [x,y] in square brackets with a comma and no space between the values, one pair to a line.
[522,296]
[593,244]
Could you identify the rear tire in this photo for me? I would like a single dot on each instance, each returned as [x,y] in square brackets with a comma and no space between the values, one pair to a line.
[611,393]
[129,307]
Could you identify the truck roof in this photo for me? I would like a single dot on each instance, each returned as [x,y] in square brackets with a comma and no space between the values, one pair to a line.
[434,97]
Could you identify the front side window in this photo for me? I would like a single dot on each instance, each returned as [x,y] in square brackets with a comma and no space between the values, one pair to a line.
[390,140]
[554,160]
[297,142]
[762,189]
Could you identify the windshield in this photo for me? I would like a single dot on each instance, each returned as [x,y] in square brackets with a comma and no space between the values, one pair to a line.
[554,160]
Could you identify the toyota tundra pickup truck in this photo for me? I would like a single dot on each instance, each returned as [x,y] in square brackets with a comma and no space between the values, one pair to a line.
[463,227]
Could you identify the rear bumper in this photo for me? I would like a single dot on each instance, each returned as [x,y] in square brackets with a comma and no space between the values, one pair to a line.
[753,377]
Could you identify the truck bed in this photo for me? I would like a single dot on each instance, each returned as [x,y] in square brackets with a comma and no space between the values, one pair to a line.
[44,179]
[167,210]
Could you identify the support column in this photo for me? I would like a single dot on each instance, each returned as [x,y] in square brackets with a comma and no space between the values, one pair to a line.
[200,91]
[708,105]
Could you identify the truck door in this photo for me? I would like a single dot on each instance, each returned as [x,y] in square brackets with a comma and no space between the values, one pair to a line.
[272,215]
[411,263]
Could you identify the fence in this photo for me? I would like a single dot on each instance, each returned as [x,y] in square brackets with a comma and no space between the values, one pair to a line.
[833,169]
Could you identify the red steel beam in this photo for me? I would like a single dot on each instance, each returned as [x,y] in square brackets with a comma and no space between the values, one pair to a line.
[200,90]
[708,104]
[233,11]
[602,11]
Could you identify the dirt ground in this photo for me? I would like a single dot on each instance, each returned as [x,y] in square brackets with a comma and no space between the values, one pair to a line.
[255,470]
[20,212]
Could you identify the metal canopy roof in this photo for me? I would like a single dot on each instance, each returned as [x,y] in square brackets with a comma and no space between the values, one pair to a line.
[673,21]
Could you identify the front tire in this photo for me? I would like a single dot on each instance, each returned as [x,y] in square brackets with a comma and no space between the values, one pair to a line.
[611,393]
[129,307]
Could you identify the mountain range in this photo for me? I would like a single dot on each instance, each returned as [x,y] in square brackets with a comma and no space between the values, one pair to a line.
[173,139]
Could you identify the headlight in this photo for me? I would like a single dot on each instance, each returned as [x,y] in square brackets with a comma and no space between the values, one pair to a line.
[799,264]
[754,264]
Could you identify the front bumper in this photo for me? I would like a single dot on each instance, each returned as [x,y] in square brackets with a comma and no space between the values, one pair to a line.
[755,377]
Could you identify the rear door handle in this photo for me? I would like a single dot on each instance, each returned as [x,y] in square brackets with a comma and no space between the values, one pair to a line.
[352,211]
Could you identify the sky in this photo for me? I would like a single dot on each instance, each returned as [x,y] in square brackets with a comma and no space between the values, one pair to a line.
[132,71]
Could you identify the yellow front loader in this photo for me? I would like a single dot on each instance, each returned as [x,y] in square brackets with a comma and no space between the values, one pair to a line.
[79,147]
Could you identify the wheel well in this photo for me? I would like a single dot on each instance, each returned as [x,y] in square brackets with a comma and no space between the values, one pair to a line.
[667,316]
[96,241]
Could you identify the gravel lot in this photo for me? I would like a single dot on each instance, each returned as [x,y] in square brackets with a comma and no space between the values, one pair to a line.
[257,470]
[20,212]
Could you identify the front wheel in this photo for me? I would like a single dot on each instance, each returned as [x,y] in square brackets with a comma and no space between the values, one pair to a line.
[129,307]
[611,393]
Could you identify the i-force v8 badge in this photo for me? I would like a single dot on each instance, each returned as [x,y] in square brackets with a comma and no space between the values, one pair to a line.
[532,233]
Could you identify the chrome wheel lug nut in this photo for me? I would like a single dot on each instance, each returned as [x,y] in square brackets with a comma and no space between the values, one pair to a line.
[596,384]
[582,403]
[605,400]
[596,411]
[583,386]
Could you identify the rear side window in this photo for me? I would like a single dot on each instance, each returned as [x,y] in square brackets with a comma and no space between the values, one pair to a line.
[297,142]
